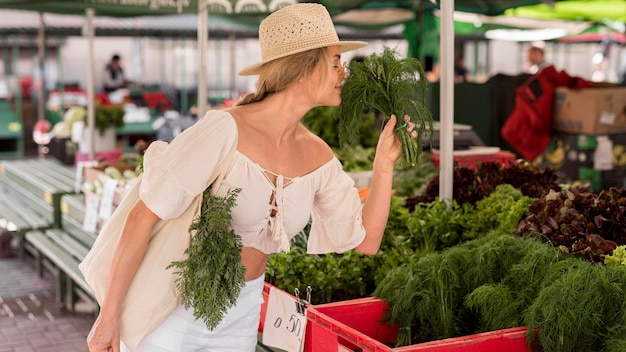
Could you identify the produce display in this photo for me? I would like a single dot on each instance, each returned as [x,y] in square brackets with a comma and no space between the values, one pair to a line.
[502,281]
[513,248]
[471,185]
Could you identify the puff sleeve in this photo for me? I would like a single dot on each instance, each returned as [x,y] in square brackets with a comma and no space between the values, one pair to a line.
[176,172]
[337,224]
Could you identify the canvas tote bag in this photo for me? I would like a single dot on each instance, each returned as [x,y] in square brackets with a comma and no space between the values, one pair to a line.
[152,294]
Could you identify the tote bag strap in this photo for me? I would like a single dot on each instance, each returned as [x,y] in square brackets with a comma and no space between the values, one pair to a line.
[220,171]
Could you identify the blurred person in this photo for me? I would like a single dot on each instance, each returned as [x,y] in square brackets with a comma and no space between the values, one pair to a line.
[114,75]
[433,74]
[536,57]
[460,70]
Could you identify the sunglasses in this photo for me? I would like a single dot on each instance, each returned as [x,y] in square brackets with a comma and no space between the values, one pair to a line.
[342,69]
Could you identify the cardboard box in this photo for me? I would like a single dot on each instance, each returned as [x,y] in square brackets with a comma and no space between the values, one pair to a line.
[592,111]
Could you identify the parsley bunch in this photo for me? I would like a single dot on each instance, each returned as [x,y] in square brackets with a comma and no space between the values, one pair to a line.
[389,85]
[212,276]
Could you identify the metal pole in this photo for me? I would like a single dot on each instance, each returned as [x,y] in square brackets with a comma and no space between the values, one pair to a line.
[233,64]
[41,95]
[91,111]
[183,68]
[446,132]
[203,38]
[16,76]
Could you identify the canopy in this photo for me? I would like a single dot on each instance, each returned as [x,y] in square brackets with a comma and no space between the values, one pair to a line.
[132,8]
[575,10]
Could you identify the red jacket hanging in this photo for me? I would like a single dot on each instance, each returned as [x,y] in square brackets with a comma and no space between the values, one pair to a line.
[529,127]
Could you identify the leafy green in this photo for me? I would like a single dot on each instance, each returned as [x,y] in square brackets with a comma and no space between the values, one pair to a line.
[356,158]
[503,208]
[109,116]
[436,225]
[580,223]
[476,286]
[322,122]
[212,276]
[473,184]
[496,304]
[412,181]
[618,258]
[577,311]
[384,83]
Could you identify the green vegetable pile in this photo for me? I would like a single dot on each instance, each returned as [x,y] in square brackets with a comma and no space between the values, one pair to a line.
[502,281]
[408,236]
[212,276]
[110,116]
[392,86]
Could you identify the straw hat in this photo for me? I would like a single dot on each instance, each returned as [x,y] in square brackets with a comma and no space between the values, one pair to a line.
[294,29]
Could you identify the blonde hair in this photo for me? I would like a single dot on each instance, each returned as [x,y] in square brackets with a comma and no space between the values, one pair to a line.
[281,73]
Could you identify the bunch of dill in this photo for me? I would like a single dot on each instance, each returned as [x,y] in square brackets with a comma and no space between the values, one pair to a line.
[212,276]
[384,83]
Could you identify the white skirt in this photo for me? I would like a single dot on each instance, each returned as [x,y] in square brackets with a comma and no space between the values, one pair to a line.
[237,332]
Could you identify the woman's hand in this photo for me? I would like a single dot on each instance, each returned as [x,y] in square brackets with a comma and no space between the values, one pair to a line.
[104,335]
[389,146]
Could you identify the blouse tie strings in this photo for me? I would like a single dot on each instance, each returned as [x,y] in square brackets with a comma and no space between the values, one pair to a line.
[276,215]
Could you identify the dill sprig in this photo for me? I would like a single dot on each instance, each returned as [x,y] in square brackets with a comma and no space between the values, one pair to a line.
[212,276]
[384,83]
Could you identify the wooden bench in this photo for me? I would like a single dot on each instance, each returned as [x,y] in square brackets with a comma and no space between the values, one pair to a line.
[22,210]
[61,249]
[46,179]
[39,200]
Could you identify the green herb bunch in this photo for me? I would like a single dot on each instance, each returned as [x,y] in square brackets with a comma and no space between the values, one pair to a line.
[106,117]
[384,83]
[212,276]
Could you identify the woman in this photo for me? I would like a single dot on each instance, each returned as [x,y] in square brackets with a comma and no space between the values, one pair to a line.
[286,173]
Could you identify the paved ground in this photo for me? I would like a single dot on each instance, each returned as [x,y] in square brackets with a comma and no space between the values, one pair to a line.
[30,317]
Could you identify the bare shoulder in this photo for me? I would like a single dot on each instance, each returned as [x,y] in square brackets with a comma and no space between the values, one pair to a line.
[316,147]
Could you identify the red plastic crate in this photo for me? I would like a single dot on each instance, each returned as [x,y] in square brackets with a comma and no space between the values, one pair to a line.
[266,293]
[356,325]
[502,156]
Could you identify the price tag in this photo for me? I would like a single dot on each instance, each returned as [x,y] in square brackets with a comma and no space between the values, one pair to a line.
[603,155]
[106,204]
[90,222]
[80,172]
[285,322]
[78,179]
[607,118]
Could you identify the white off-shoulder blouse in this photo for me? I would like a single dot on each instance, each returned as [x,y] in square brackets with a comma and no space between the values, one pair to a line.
[175,173]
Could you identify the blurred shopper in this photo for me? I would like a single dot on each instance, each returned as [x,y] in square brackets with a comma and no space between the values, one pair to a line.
[536,57]
[460,70]
[114,75]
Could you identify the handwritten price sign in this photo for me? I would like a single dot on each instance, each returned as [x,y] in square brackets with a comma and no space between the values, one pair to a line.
[285,324]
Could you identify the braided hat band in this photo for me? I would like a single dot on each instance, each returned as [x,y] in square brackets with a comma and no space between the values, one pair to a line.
[294,29]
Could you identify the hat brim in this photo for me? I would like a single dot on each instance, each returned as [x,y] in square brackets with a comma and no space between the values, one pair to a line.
[344,46]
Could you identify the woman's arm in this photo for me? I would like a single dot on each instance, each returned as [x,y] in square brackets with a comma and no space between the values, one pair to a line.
[377,205]
[127,256]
